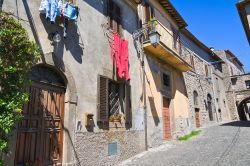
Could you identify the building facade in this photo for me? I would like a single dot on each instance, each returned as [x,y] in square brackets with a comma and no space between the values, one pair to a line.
[76,89]
[231,68]
[243,7]
[86,111]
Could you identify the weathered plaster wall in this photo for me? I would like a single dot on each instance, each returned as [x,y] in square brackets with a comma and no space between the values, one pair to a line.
[178,101]
[86,54]
[230,88]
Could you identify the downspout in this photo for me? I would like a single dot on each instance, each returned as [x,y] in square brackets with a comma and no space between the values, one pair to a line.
[33,27]
[144,90]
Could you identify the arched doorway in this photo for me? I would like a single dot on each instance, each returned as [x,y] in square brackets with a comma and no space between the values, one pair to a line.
[209,107]
[40,133]
[196,109]
[244,109]
[220,114]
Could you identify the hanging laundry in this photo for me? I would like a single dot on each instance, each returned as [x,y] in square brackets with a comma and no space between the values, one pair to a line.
[124,59]
[52,8]
[70,12]
[43,6]
[119,54]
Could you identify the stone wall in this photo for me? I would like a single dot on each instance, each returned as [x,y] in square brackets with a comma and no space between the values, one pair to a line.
[92,148]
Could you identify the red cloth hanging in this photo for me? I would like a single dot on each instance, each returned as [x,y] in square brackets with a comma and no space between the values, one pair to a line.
[119,54]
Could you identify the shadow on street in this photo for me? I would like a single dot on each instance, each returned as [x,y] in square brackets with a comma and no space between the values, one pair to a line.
[238,123]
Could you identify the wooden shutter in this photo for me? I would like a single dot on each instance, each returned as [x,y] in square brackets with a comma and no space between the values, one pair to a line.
[206,70]
[192,61]
[149,12]
[102,107]
[128,109]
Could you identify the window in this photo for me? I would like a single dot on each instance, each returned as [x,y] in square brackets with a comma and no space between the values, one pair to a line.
[192,61]
[234,80]
[218,66]
[217,84]
[166,80]
[248,84]
[149,12]
[176,39]
[166,84]
[195,95]
[114,103]
[114,17]
[206,70]
[232,73]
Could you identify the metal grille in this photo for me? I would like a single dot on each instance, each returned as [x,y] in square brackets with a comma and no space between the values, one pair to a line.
[114,102]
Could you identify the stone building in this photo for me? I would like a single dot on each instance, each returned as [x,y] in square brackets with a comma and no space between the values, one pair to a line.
[167,100]
[180,78]
[243,7]
[76,88]
[85,113]
[204,84]
[232,70]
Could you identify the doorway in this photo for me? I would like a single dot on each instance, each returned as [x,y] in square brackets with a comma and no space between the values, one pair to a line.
[166,119]
[209,107]
[197,118]
[40,133]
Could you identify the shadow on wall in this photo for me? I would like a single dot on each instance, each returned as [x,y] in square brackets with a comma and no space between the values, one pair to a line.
[238,124]
[154,111]
[72,43]
[129,25]
[1,5]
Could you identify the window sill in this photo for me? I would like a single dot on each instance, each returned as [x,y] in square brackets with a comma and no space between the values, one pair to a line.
[116,126]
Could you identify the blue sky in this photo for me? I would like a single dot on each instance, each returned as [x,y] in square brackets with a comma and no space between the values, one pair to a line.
[217,24]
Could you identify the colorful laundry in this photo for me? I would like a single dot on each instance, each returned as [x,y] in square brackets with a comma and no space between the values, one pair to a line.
[54,8]
[119,54]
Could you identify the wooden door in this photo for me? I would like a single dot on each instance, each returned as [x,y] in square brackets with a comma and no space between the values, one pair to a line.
[166,119]
[197,117]
[40,133]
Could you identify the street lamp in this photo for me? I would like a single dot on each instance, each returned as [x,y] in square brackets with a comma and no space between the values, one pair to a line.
[154,38]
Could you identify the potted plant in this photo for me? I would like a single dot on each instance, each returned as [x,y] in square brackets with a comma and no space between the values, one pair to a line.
[115,118]
[152,24]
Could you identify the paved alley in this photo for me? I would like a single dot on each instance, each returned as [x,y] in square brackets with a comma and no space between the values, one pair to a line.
[227,145]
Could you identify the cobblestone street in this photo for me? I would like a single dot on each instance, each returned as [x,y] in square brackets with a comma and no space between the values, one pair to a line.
[227,144]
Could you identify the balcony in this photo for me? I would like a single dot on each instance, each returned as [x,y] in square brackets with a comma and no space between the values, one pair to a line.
[170,50]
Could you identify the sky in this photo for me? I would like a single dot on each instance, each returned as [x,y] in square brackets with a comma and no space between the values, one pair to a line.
[217,24]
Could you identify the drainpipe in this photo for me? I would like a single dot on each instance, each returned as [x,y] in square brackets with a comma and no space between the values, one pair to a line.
[145,100]
[144,92]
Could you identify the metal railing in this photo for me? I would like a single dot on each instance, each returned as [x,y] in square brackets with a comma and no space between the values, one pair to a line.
[172,41]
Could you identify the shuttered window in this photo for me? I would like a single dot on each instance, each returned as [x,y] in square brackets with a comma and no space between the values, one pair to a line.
[149,12]
[113,99]
[103,108]
[114,17]
[128,109]
[206,70]
[192,61]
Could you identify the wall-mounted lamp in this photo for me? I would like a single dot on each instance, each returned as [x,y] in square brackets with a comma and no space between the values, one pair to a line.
[154,38]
